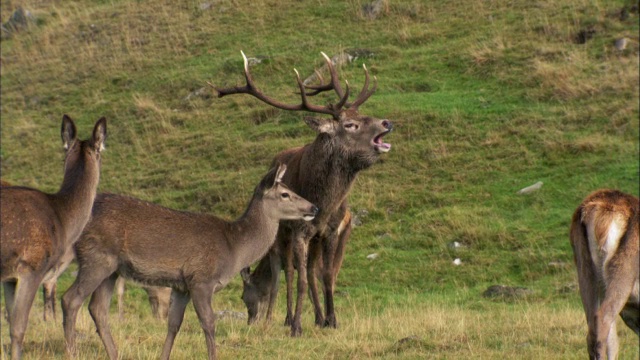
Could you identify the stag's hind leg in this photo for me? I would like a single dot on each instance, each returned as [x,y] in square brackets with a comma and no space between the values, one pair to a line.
[99,310]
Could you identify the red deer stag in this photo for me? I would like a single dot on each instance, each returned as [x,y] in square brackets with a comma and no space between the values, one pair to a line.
[194,254]
[258,291]
[38,228]
[323,172]
[604,238]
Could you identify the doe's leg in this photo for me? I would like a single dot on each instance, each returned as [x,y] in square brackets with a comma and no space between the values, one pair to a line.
[178,304]
[201,296]
[99,310]
[25,292]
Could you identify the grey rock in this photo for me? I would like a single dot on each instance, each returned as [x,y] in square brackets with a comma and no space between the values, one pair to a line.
[372,10]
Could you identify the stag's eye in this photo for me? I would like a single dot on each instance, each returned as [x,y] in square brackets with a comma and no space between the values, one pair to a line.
[284,195]
[351,126]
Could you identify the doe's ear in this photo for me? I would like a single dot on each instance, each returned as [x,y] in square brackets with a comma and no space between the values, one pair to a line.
[321,125]
[246,275]
[68,131]
[100,134]
[282,168]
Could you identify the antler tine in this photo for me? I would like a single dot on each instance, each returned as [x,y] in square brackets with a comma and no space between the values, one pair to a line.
[317,89]
[344,98]
[306,104]
[251,89]
[365,93]
[334,76]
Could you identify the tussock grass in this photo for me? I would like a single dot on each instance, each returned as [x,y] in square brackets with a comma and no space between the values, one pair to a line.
[486,98]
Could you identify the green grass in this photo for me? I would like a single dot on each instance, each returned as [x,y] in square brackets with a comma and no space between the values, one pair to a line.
[486,98]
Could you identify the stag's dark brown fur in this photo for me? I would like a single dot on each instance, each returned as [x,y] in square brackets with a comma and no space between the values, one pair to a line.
[194,254]
[604,237]
[39,228]
[324,172]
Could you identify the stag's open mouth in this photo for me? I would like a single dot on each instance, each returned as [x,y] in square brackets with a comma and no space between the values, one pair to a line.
[308,217]
[379,145]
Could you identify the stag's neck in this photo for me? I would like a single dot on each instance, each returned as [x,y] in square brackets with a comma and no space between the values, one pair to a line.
[252,235]
[75,198]
[332,167]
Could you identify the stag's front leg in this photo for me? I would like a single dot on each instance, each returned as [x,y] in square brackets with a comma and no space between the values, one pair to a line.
[201,296]
[300,253]
[288,276]
[329,278]
[178,304]
[312,263]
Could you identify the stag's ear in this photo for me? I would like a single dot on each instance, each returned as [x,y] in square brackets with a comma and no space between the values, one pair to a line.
[100,134]
[282,168]
[246,275]
[321,125]
[68,132]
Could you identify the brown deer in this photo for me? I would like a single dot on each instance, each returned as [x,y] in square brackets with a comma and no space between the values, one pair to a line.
[38,228]
[259,292]
[194,254]
[323,172]
[49,283]
[604,238]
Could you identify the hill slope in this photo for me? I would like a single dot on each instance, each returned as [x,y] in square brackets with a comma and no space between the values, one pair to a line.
[486,98]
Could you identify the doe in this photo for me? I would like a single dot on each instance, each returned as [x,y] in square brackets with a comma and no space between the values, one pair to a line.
[604,237]
[38,228]
[194,254]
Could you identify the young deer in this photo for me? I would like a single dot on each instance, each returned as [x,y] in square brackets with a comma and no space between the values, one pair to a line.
[258,291]
[194,254]
[38,228]
[604,237]
[323,172]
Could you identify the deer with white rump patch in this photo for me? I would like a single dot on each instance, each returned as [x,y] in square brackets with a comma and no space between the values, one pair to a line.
[323,172]
[194,254]
[38,229]
[604,237]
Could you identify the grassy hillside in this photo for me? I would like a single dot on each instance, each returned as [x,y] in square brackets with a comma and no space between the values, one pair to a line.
[487,97]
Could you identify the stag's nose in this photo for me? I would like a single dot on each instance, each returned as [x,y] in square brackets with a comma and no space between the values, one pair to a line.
[314,210]
[387,125]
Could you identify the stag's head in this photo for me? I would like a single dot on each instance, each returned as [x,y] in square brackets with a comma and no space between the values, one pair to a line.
[358,136]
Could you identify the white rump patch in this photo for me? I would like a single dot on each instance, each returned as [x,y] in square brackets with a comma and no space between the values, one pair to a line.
[603,249]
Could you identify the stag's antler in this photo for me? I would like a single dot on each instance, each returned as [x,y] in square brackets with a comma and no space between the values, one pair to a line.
[331,109]
[334,84]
